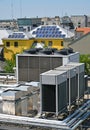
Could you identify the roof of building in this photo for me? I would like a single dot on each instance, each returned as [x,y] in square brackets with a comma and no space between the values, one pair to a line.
[4,33]
[51,31]
[19,35]
[84,30]
[75,41]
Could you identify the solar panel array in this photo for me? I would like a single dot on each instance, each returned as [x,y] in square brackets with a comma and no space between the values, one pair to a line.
[16,35]
[48,31]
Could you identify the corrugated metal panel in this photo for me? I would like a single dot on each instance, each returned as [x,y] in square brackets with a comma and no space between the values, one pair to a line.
[73,88]
[72,92]
[35,65]
[62,98]
[79,78]
[23,74]
[81,84]
[22,62]
[33,62]
[56,61]
[33,74]
[71,82]
[48,98]
[44,62]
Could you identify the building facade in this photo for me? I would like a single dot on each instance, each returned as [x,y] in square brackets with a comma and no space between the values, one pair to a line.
[79,20]
[27,24]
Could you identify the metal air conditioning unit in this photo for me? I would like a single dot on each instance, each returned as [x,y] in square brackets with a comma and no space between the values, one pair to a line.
[80,82]
[53,91]
[30,66]
[71,83]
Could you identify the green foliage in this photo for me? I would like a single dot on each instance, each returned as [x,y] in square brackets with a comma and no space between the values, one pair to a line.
[10,64]
[86,59]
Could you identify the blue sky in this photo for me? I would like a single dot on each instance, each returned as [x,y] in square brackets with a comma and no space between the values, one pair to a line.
[43,8]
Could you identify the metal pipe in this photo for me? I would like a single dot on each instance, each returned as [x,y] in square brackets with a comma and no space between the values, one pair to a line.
[78,116]
[82,117]
[81,120]
[75,121]
[34,121]
[76,112]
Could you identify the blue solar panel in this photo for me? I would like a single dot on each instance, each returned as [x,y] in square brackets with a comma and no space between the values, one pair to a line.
[22,36]
[58,32]
[63,35]
[38,28]
[9,36]
[33,32]
[57,29]
[37,35]
[18,35]
[48,31]
[50,35]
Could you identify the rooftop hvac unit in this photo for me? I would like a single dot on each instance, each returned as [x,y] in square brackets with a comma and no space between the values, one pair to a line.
[53,91]
[80,82]
[32,65]
[71,83]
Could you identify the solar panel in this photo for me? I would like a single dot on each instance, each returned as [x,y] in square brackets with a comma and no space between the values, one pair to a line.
[48,31]
[9,36]
[50,35]
[16,35]
[22,36]
[58,32]
[57,29]
[63,35]
[33,32]
[38,28]
[37,35]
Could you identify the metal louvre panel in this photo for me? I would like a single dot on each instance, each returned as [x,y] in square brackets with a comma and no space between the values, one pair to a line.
[33,74]
[81,84]
[62,99]
[37,65]
[33,62]
[23,74]
[44,62]
[77,84]
[73,89]
[56,62]
[67,91]
[23,62]
[49,98]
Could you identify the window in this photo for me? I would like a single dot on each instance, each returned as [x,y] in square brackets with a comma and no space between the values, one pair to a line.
[7,44]
[16,44]
[50,43]
[61,43]
[43,42]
